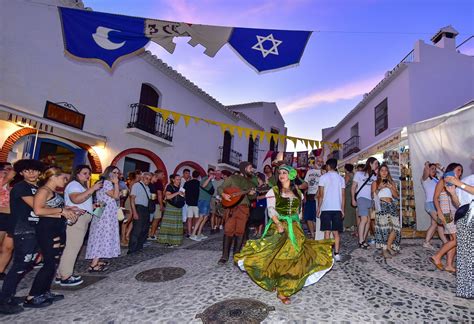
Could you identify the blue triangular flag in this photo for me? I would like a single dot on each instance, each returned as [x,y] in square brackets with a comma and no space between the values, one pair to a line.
[101,36]
[267,49]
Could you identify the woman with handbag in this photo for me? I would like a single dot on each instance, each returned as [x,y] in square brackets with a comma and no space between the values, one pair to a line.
[171,230]
[104,238]
[362,197]
[77,193]
[445,210]
[387,217]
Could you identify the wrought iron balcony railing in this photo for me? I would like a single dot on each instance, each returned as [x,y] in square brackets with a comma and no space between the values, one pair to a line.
[230,157]
[350,146]
[151,122]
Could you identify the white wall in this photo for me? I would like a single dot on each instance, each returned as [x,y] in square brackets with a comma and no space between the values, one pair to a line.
[438,81]
[35,69]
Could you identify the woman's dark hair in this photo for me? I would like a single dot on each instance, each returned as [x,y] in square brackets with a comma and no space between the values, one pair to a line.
[349,167]
[174,175]
[368,169]
[452,166]
[379,177]
[28,164]
[106,174]
[78,170]
[293,187]
[267,166]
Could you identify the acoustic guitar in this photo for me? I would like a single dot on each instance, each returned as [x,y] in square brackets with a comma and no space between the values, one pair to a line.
[237,195]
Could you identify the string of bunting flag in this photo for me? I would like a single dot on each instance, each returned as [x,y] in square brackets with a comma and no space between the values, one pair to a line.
[255,133]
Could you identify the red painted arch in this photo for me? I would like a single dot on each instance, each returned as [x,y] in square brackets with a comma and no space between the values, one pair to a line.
[193,165]
[149,154]
[92,155]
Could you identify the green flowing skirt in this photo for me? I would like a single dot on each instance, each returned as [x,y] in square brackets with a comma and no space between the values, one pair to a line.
[273,263]
[171,228]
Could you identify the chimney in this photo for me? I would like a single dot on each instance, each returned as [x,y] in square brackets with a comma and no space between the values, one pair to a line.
[445,38]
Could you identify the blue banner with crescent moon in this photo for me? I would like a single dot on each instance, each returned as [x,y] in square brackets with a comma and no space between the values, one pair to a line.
[108,38]
[101,36]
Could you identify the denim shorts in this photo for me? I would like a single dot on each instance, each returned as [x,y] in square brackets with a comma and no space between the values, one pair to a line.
[430,207]
[363,206]
[204,207]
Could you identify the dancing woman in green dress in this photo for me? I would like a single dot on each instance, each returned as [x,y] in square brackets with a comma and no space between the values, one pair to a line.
[283,259]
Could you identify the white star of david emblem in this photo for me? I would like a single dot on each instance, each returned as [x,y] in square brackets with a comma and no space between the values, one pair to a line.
[273,50]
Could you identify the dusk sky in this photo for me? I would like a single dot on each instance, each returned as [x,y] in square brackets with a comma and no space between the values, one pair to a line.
[354,44]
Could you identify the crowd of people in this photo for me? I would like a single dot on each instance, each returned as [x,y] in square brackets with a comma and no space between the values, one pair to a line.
[46,215]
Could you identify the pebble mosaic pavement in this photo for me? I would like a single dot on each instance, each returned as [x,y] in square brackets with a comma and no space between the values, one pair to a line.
[363,287]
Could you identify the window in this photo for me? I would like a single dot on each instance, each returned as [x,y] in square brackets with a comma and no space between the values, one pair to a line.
[253,151]
[227,147]
[146,119]
[273,145]
[355,130]
[381,117]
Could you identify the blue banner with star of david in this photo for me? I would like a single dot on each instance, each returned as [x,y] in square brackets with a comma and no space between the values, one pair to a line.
[108,38]
[267,49]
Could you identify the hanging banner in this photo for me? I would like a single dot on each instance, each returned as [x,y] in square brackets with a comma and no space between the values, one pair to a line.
[302,159]
[288,158]
[107,38]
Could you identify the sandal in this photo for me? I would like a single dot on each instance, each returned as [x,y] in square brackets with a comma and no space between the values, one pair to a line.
[103,263]
[98,268]
[439,266]
[363,245]
[453,271]
[285,300]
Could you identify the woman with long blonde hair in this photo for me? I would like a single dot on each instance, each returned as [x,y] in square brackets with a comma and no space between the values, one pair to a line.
[48,205]
[387,217]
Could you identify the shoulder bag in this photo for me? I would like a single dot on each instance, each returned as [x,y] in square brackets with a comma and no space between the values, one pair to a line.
[151,203]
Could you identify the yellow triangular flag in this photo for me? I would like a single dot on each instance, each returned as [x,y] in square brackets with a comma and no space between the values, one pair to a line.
[223,127]
[262,135]
[254,134]
[165,114]
[239,131]
[232,129]
[196,119]
[186,119]
[248,132]
[293,139]
[275,137]
[268,136]
[316,143]
[311,143]
[306,143]
[176,117]
[282,138]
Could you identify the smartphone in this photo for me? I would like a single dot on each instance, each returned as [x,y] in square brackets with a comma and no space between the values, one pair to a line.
[448,174]
[385,181]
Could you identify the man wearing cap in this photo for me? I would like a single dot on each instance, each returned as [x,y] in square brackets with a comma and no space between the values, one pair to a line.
[236,217]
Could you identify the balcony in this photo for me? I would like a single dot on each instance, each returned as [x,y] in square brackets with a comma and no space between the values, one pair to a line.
[149,124]
[350,146]
[229,157]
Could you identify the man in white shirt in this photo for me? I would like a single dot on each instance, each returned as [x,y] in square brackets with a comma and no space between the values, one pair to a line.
[186,176]
[331,204]
[311,182]
[139,197]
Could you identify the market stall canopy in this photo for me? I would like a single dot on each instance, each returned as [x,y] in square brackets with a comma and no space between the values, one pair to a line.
[444,139]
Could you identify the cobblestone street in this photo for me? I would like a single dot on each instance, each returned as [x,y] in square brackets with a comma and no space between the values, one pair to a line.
[362,288]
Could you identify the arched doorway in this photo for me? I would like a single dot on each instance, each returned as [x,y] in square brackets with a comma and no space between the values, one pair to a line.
[192,165]
[92,155]
[147,153]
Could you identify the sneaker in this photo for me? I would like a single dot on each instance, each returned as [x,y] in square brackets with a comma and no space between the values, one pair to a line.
[202,237]
[37,302]
[71,281]
[337,257]
[195,238]
[221,227]
[53,297]
[371,241]
[152,238]
[10,308]
[39,265]
[427,245]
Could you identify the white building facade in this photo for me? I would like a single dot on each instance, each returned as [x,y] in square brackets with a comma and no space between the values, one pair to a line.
[429,81]
[116,128]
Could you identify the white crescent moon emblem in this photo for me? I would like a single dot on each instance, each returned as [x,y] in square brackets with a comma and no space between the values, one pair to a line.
[101,37]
